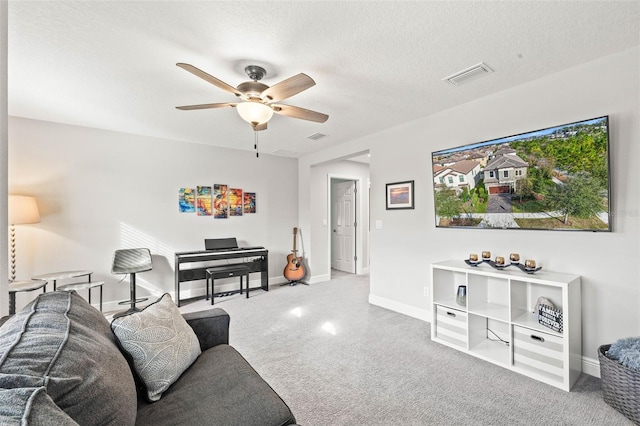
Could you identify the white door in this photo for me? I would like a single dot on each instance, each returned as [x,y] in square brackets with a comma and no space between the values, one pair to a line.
[343,232]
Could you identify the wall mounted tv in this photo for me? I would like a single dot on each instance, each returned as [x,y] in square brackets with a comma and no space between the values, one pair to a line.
[554,179]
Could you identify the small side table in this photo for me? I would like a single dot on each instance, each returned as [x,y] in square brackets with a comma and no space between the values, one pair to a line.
[82,286]
[64,275]
[28,285]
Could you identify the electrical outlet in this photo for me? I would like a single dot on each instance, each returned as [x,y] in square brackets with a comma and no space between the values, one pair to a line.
[426,291]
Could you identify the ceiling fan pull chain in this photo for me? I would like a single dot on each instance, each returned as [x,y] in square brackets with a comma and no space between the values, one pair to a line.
[255,144]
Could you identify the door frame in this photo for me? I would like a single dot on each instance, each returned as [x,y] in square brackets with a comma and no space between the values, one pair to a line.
[357,216]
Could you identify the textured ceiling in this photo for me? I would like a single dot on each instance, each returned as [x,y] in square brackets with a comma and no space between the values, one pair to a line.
[111,65]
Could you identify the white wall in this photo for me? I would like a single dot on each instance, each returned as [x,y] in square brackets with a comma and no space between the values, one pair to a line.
[99,191]
[408,241]
[4,252]
[320,263]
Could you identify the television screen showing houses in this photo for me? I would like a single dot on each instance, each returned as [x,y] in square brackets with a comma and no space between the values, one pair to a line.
[554,178]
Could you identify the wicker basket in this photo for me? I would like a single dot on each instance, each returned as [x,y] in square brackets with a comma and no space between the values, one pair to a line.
[620,385]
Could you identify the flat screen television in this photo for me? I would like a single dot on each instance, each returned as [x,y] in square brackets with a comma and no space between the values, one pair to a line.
[556,178]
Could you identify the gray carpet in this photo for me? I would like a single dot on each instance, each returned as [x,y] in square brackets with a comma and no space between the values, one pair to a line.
[337,360]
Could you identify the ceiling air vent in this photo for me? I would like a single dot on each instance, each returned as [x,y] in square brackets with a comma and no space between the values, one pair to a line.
[468,74]
[316,136]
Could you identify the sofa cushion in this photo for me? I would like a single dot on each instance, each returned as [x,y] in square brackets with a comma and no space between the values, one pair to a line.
[31,406]
[220,388]
[160,342]
[64,345]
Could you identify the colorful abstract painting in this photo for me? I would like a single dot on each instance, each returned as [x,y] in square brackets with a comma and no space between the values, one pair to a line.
[249,202]
[204,201]
[235,202]
[220,202]
[187,200]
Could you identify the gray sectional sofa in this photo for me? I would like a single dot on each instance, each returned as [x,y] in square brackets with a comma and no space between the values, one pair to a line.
[61,365]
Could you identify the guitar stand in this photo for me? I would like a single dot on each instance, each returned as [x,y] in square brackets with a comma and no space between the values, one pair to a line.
[295,282]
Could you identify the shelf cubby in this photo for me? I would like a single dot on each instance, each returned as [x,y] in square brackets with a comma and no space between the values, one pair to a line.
[489,339]
[445,286]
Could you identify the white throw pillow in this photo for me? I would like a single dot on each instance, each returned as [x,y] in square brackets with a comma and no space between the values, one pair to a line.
[160,342]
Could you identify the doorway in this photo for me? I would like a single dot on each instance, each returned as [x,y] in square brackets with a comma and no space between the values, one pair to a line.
[344,224]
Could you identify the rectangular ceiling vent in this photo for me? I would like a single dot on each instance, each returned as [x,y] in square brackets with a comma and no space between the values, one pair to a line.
[316,136]
[468,74]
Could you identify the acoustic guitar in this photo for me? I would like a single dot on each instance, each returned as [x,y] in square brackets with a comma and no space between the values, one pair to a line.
[294,271]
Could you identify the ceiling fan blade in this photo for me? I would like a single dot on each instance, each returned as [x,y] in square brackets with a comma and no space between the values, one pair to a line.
[206,106]
[287,88]
[211,79]
[301,113]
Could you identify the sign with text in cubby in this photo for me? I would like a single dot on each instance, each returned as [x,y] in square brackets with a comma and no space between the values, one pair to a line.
[550,317]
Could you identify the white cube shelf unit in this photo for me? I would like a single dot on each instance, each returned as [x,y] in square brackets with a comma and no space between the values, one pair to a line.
[498,323]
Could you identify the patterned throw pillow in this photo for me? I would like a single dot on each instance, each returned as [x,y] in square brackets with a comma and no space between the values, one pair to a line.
[160,342]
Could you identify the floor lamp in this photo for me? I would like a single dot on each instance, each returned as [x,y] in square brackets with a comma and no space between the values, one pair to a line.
[22,210]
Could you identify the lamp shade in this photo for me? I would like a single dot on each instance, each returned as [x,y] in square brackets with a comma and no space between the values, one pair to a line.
[254,112]
[23,210]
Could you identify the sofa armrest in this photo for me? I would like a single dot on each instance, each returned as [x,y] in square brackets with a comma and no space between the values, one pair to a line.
[211,327]
[4,319]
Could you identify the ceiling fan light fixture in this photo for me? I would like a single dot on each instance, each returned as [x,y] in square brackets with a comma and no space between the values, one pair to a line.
[254,112]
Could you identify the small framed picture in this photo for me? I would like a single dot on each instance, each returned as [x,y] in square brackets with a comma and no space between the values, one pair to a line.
[400,195]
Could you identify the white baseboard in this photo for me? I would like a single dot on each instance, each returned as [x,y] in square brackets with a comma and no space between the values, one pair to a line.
[412,311]
[326,277]
[590,366]
[319,278]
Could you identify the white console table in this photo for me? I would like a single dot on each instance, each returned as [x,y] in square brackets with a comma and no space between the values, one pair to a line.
[498,324]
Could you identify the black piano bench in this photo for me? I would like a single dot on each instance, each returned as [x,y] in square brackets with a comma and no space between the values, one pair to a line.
[226,271]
